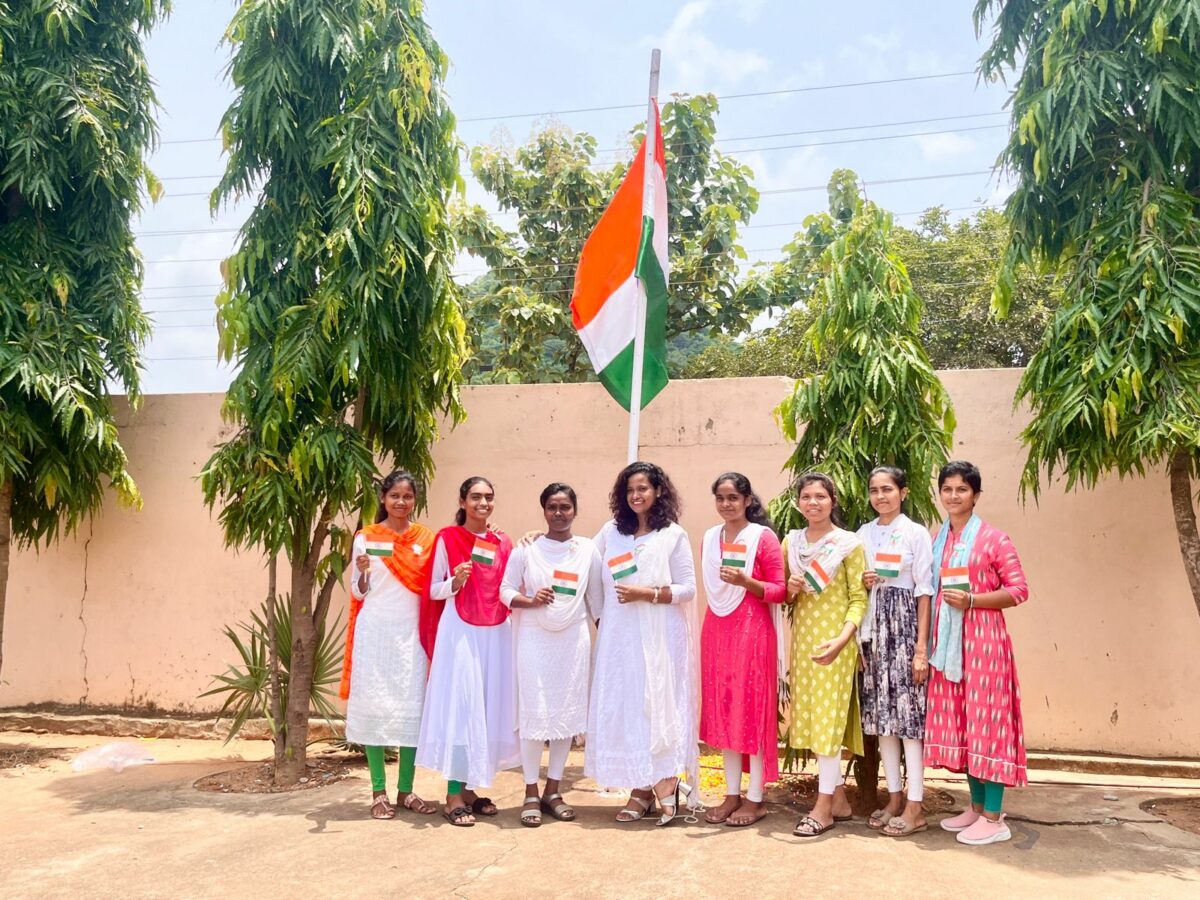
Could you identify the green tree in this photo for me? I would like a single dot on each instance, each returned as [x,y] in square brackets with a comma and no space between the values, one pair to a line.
[76,123]
[558,191]
[876,398]
[953,268]
[1106,152]
[339,306]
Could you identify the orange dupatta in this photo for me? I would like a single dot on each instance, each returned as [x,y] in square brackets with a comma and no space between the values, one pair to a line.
[412,555]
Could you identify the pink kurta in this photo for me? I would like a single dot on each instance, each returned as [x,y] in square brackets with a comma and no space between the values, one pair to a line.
[974,726]
[739,685]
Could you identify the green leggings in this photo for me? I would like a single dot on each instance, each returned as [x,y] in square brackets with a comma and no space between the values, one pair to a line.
[408,765]
[988,794]
[455,787]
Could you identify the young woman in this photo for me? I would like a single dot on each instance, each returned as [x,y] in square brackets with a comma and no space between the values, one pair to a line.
[824,565]
[551,585]
[894,637]
[974,723]
[383,676]
[642,724]
[467,729]
[742,567]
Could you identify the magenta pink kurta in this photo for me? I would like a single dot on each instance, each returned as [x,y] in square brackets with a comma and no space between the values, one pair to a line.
[739,685]
[975,726]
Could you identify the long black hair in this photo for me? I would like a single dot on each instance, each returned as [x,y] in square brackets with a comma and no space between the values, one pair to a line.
[826,482]
[665,509]
[460,517]
[755,512]
[387,484]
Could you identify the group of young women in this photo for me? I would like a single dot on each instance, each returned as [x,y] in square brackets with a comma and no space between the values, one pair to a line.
[471,655]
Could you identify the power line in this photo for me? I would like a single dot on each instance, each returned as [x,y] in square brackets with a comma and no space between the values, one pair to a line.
[642,105]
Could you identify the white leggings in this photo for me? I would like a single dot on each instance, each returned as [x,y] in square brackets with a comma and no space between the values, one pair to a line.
[531,758]
[829,773]
[733,775]
[914,759]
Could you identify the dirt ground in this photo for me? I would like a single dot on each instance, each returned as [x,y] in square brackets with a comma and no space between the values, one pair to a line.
[148,832]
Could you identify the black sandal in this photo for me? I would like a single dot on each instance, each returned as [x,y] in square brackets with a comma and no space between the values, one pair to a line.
[483,806]
[458,816]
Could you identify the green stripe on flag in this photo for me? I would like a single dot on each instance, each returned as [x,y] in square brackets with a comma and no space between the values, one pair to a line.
[617,376]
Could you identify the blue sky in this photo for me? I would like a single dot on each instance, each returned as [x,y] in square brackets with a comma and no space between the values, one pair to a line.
[546,58]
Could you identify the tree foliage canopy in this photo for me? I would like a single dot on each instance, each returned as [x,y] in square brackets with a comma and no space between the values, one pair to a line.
[876,398]
[339,305]
[1106,149]
[558,190]
[76,122]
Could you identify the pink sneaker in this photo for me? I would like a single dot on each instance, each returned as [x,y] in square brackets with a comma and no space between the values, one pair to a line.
[961,822]
[985,831]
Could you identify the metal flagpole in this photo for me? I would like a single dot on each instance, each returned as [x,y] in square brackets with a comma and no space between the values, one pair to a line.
[639,335]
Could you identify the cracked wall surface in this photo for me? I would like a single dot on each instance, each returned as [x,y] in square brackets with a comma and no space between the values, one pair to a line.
[129,614]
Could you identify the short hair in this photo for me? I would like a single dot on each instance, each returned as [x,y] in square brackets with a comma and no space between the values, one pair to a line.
[967,471]
[558,487]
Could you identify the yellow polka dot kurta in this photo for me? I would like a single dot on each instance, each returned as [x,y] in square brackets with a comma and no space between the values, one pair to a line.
[824,702]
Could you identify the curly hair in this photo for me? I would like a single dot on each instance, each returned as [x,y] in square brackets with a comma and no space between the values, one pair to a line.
[665,510]
[754,509]
[390,482]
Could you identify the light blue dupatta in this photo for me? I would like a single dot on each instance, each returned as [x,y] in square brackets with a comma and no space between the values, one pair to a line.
[947,656]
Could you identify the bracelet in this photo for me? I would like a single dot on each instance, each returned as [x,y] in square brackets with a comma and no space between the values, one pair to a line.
[970,600]
[655,600]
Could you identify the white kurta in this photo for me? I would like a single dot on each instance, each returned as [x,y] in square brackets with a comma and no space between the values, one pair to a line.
[468,729]
[644,716]
[914,545]
[553,644]
[387,684]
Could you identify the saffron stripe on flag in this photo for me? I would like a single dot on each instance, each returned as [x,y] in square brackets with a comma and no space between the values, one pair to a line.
[733,555]
[484,553]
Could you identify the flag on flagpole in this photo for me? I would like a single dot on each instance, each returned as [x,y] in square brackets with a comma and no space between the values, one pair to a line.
[624,254]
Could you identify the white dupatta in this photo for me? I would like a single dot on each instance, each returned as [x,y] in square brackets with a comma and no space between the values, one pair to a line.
[725,598]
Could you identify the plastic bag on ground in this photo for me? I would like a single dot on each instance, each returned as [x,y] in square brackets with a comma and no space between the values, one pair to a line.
[115,755]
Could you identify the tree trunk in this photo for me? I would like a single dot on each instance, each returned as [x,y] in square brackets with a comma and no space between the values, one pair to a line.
[276,695]
[1185,519]
[6,496]
[300,674]
[866,776]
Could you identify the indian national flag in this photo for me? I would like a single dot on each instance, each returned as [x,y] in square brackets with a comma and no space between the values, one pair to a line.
[622,566]
[957,578]
[566,583]
[379,546]
[627,252]
[484,553]
[817,577]
[887,565]
[733,555]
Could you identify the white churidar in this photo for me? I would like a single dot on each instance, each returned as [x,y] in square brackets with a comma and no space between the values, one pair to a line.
[644,717]
[387,688]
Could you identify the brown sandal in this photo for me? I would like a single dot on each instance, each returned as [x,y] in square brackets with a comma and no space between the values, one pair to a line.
[381,808]
[413,803]
[901,827]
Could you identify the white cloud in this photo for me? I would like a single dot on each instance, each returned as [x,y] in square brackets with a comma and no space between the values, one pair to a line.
[694,61]
[940,147]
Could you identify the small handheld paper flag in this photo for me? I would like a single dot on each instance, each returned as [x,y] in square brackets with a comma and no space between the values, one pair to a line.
[379,547]
[887,565]
[484,553]
[956,579]
[816,577]
[566,583]
[622,566]
[733,555]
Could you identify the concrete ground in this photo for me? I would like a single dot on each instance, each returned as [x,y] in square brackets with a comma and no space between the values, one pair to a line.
[147,833]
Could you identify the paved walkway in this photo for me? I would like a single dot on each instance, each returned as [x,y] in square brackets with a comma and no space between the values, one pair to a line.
[147,833]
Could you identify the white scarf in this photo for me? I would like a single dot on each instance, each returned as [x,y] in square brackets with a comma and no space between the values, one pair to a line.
[725,598]
[828,552]
[542,558]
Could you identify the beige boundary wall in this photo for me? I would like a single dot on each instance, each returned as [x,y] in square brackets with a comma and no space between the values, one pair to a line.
[131,612]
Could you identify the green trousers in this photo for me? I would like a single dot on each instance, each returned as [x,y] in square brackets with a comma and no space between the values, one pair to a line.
[408,767]
[988,794]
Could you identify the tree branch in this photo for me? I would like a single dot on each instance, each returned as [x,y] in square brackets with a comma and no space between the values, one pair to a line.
[321,607]
[1182,505]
